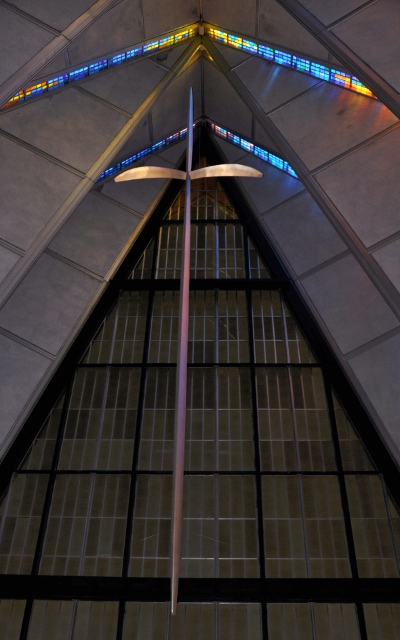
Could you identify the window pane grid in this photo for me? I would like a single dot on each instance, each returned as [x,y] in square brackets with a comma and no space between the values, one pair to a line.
[100,425]
[143,269]
[301,511]
[85,531]
[20,513]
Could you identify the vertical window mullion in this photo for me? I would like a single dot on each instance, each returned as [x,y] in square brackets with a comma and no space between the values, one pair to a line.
[344,500]
[136,445]
[257,455]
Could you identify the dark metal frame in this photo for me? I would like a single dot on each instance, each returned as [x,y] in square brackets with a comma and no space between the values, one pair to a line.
[261,590]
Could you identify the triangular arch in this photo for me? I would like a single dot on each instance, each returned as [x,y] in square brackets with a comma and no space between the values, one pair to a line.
[279,489]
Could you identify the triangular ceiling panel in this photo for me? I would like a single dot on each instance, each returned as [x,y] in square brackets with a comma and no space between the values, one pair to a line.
[222,104]
[232,56]
[170,111]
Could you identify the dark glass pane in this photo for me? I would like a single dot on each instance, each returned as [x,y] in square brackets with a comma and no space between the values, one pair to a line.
[268,327]
[150,548]
[157,435]
[257,266]
[86,528]
[11,615]
[164,327]
[20,513]
[143,268]
[101,420]
[73,620]
[231,261]
[372,531]
[354,455]
[278,449]
[40,455]
[313,621]
[312,420]
[382,621]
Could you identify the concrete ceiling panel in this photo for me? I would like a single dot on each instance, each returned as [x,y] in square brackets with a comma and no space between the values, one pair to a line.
[329,11]
[231,14]
[168,58]
[273,188]
[7,260]
[170,111]
[119,27]
[94,234]
[328,121]
[373,34]
[378,372]
[230,151]
[304,234]
[127,87]
[272,85]
[58,15]
[137,194]
[232,56]
[31,190]
[262,138]
[222,103]
[21,371]
[139,140]
[69,125]
[388,257]
[56,65]
[276,25]
[45,307]
[165,16]
[174,153]
[20,40]
[351,307]
[366,189]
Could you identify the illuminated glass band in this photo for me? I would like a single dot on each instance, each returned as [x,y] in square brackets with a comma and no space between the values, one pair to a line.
[315,69]
[267,156]
[124,164]
[100,65]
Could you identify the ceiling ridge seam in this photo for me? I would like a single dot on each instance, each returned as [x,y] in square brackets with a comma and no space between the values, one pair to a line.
[27,344]
[372,343]
[99,194]
[322,265]
[357,147]
[349,15]
[12,247]
[72,263]
[112,106]
[299,194]
[30,18]
[41,153]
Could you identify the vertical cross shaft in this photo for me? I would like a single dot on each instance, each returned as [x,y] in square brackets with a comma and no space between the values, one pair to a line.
[181,376]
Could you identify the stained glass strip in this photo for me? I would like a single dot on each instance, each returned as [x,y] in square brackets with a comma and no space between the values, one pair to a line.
[287,59]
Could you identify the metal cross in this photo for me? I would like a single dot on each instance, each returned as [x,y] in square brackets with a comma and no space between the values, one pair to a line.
[219,170]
